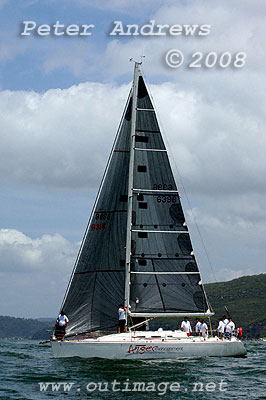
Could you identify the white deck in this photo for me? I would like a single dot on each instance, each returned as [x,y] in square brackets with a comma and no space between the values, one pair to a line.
[148,345]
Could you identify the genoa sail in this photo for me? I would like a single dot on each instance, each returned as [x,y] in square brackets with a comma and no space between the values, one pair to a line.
[97,284]
[163,277]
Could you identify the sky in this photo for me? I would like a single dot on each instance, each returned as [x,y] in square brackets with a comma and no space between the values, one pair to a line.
[61,99]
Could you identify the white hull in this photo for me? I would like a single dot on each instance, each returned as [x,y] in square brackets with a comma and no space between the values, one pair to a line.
[146,345]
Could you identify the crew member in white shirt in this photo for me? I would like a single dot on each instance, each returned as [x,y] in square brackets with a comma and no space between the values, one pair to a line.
[122,319]
[60,325]
[220,328]
[204,329]
[186,327]
[230,328]
[197,327]
[225,320]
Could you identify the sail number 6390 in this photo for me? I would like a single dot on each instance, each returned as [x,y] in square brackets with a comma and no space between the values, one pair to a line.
[166,199]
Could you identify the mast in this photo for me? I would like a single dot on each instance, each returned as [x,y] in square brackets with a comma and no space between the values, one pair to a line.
[130,181]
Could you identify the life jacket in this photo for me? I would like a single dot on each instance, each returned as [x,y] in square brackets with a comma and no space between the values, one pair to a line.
[240,332]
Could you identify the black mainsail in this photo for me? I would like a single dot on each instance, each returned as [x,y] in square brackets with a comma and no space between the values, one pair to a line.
[136,249]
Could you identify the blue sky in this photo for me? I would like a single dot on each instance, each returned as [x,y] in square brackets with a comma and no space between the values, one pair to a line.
[24,69]
[61,99]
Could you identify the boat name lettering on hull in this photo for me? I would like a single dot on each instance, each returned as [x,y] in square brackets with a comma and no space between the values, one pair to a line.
[141,349]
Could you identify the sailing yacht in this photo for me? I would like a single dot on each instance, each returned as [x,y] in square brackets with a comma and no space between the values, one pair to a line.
[137,251]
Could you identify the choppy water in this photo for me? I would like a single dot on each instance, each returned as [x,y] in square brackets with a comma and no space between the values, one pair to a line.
[25,365]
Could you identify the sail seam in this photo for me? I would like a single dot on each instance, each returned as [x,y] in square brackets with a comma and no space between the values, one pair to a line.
[139,256]
[155,231]
[155,190]
[121,151]
[99,270]
[146,131]
[159,289]
[109,211]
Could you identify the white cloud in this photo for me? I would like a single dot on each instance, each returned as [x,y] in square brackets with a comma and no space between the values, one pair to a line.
[55,138]
[233,229]
[234,29]
[61,137]
[34,272]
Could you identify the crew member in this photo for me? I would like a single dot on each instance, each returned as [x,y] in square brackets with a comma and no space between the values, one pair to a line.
[230,328]
[197,327]
[239,333]
[60,325]
[225,320]
[122,319]
[204,329]
[186,327]
[220,328]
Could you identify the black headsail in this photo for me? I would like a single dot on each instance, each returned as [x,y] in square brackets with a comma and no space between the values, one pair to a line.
[98,280]
[136,248]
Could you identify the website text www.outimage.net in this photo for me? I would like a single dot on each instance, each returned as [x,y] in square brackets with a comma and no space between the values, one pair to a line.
[161,388]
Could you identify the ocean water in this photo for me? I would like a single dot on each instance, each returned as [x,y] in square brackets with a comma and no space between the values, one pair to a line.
[29,371]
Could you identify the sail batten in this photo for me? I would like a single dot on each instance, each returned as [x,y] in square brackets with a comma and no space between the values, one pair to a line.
[164,273]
